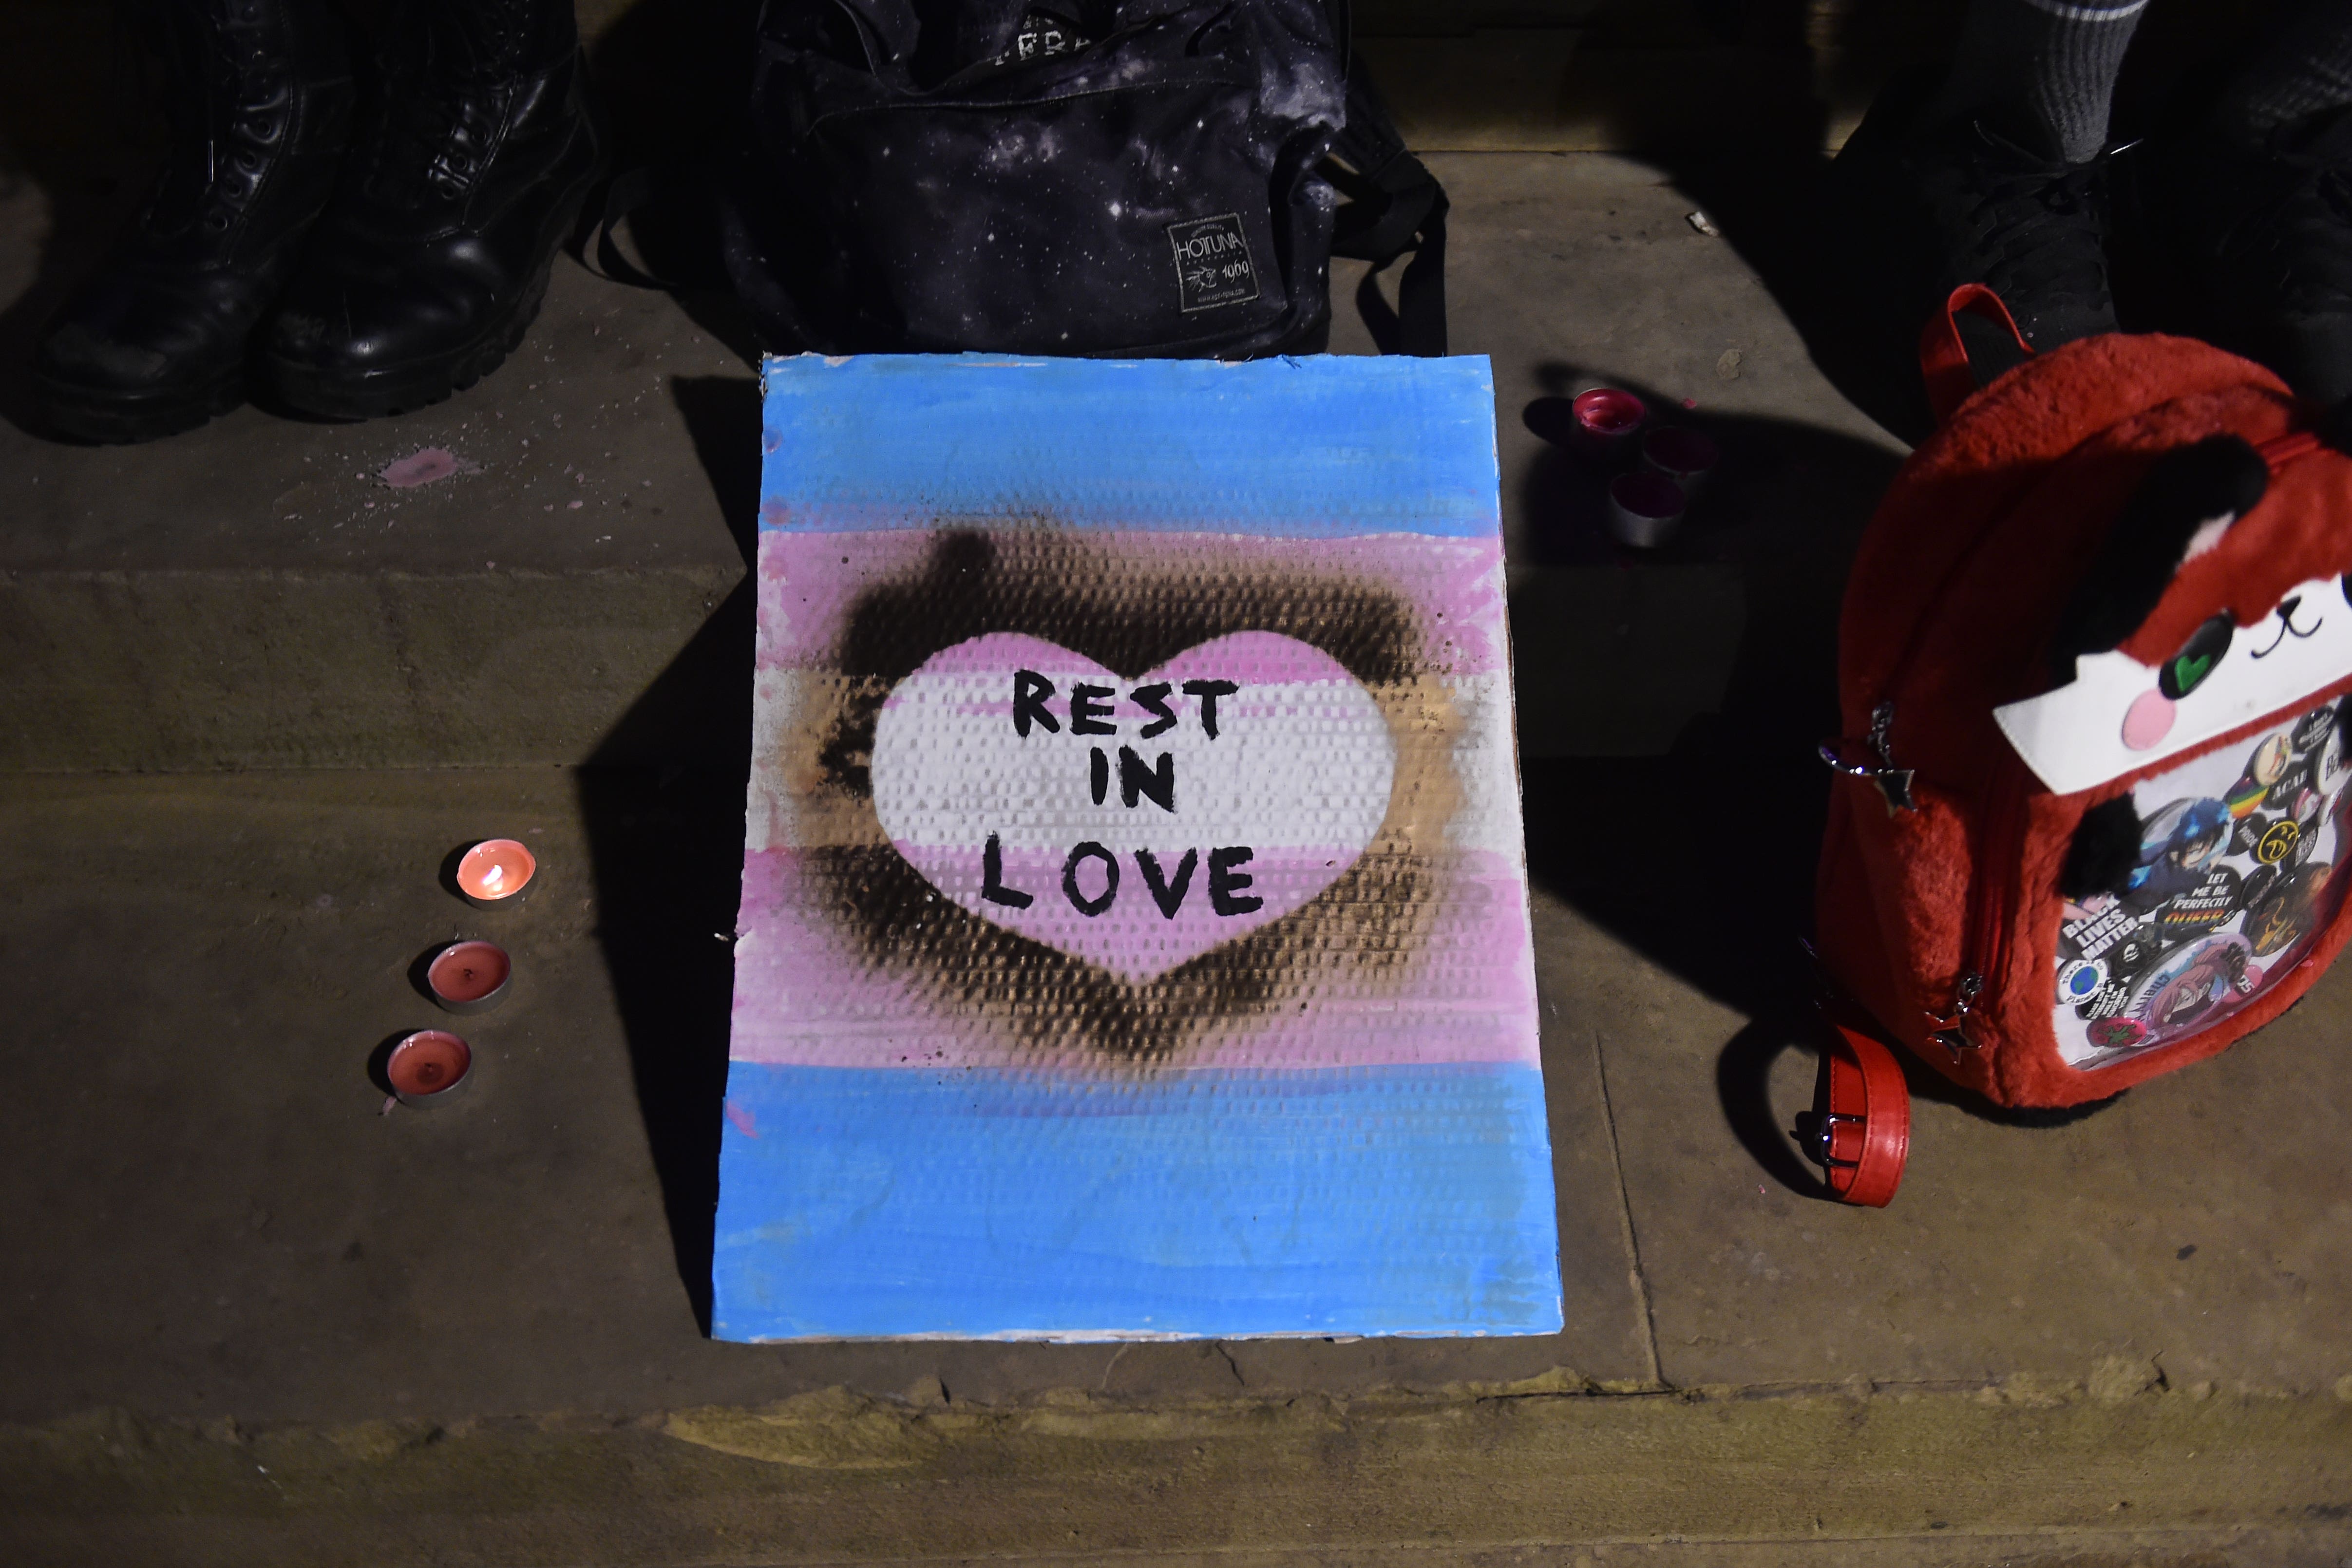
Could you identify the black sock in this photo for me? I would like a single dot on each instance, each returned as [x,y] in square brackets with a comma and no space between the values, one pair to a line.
[2041,71]
[2301,70]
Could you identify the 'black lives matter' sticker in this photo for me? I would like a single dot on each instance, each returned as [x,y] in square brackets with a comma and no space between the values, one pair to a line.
[1212,262]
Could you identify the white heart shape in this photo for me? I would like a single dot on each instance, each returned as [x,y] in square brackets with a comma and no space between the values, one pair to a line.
[1259,816]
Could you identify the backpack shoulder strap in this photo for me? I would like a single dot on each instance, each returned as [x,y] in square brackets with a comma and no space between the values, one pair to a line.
[1394,205]
[1944,361]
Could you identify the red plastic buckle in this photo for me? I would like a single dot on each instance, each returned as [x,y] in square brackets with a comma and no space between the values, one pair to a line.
[1862,1136]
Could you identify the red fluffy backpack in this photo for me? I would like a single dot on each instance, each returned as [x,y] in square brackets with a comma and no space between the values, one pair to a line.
[2090,824]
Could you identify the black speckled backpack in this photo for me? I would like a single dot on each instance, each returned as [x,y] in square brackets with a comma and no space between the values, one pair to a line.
[1088,177]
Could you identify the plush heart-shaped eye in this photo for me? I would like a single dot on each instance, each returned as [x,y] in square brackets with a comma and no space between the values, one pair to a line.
[2187,669]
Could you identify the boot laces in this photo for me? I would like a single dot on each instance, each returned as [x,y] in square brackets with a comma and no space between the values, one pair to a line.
[439,129]
[2042,225]
[228,111]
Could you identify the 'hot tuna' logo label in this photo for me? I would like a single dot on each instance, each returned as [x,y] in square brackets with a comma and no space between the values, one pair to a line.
[1212,262]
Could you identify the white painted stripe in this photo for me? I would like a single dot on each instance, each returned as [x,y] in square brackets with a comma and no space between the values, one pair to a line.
[1486,818]
[1305,763]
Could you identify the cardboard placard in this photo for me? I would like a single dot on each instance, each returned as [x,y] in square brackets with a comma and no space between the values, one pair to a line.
[1134,938]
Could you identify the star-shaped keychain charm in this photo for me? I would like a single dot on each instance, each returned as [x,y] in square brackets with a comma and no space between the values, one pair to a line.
[1895,783]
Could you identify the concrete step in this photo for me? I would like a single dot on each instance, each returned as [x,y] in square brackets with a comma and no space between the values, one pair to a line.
[253,595]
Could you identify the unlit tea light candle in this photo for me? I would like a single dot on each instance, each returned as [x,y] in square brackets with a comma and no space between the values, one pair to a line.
[470,977]
[428,1066]
[1644,508]
[1681,454]
[495,872]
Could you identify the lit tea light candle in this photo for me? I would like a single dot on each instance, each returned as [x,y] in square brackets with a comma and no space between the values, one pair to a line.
[470,977]
[429,1067]
[495,872]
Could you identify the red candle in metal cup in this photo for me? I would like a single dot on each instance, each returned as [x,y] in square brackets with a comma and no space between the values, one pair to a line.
[1681,455]
[1604,422]
[470,977]
[1644,508]
[496,872]
[429,1067]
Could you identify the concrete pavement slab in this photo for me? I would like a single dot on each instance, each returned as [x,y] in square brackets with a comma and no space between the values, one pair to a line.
[2196,1232]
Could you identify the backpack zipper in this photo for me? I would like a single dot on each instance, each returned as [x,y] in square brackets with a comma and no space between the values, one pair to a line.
[1988,891]
[1893,782]
[1991,890]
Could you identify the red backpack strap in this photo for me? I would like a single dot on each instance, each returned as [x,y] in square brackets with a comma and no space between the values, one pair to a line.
[1944,358]
[2281,450]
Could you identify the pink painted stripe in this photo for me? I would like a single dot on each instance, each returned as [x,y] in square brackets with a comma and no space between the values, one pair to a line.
[810,582]
[804,995]
[1255,658]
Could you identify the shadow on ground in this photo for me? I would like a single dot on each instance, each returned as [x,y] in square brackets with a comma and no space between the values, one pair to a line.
[662,801]
[1702,858]
[667,857]
[1770,194]
[666,849]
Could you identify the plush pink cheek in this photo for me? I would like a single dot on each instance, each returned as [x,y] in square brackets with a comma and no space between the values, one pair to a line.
[2148,721]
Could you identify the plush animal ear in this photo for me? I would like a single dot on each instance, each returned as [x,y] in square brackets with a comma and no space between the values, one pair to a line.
[2189,497]
[2105,850]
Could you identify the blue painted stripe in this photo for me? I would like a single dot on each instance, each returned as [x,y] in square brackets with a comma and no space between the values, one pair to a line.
[1385,1200]
[1325,447]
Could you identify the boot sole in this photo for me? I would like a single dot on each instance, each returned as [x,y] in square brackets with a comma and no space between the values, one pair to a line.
[114,419]
[400,389]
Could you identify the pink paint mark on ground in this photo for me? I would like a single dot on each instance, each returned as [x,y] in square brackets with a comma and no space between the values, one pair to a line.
[741,1118]
[1259,658]
[424,466]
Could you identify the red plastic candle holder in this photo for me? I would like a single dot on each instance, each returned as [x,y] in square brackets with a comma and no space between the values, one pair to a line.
[1604,422]
[470,977]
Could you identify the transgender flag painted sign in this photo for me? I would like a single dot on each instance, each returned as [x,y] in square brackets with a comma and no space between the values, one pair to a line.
[1134,938]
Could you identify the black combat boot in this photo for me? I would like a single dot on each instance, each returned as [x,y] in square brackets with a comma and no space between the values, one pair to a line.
[436,254]
[259,96]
